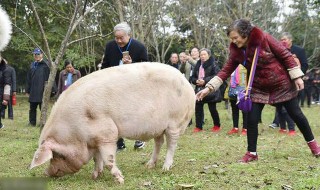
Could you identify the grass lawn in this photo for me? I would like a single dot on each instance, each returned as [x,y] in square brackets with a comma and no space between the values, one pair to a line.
[204,160]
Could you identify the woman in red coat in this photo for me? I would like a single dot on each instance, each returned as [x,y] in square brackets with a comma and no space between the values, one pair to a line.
[277,80]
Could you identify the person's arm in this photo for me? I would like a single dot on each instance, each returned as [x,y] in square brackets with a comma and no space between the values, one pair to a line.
[28,82]
[106,58]
[14,81]
[7,86]
[301,55]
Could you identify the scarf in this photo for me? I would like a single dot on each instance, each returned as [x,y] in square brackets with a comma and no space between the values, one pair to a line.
[201,72]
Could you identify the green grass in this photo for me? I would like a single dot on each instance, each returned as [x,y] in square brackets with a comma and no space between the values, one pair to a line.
[204,160]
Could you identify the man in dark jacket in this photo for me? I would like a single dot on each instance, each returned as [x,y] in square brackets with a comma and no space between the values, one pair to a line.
[300,53]
[5,85]
[12,73]
[36,79]
[124,50]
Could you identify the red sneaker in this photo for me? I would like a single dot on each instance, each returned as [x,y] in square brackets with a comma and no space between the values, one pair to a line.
[233,131]
[283,131]
[244,132]
[292,133]
[215,129]
[248,157]
[196,130]
[315,149]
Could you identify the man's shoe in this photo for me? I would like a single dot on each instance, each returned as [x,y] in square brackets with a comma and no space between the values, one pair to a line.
[1,126]
[215,129]
[283,131]
[273,125]
[196,130]
[244,132]
[248,157]
[233,131]
[292,133]
[31,124]
[139,144]
[121,148]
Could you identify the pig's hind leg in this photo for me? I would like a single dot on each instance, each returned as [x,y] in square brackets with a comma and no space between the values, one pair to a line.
[172,137]
[158,142]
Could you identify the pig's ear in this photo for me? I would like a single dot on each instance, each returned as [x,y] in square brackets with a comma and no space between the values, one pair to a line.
[41,156]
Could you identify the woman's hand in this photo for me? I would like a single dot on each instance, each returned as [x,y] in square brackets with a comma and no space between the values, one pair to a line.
[202,93]
[200,82]
[299,83]
[4,102]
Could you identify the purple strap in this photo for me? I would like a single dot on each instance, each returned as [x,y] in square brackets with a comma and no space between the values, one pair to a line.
[253,70]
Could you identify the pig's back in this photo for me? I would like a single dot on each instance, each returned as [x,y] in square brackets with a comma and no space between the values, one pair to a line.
[143,96]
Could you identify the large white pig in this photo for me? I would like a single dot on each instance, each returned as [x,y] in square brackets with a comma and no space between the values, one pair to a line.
[138,101]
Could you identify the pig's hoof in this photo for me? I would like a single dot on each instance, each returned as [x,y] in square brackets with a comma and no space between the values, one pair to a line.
[166,167]
[150,164]
[120,180]
[95,175]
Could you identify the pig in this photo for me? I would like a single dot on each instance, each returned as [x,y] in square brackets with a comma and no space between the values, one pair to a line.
[136,101]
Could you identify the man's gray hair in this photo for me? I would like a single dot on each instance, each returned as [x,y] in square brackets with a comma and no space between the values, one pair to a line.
[205,49]
[287,34]
[123,26]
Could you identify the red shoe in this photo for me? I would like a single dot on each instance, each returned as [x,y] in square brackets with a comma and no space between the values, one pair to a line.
[233,131]
[283,131]
[248,157]
[196,130]
[292,133]
[314,147]
[244,132]
[215,129]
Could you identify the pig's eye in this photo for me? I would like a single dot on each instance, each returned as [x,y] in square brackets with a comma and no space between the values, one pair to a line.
[58,155]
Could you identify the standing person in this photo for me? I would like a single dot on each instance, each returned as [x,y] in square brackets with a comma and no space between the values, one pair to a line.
[5,85]
[307,79]
[174,60]
[12,73]
[299,53]
[37,76]
[277,80]
[185,66]
[204,71]
[238,78]
[67,76]
[124,50]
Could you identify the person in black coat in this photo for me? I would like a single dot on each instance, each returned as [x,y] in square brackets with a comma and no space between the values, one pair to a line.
[124,50]
[5,85]
[12,73]
[300,53]
[37,76]
[204,71]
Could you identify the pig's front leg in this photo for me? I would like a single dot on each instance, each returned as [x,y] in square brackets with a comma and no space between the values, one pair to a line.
[108,153]
[98,165]
[172,139]
[158,142]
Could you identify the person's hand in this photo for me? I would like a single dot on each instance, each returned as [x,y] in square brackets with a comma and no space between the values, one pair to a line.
[27,94]
[202,93]
[14,93]
[126,60]
[200,82]
[299,84]
[4,102]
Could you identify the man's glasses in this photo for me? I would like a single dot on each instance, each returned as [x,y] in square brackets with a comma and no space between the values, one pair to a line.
[37,54]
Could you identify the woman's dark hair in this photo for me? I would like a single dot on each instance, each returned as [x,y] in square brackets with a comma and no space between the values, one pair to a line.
[242,26]
[67,62]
